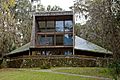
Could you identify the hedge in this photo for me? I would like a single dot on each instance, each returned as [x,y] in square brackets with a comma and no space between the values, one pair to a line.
[58,62]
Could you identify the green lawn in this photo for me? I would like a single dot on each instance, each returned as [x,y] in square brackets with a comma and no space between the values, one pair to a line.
[16,74]
[91,71]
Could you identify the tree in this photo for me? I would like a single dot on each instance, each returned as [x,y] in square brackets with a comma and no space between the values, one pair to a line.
[23,19]
[103,22]
[53,8]
[7,26]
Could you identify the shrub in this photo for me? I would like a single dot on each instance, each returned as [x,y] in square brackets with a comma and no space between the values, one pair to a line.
[45,65]
[114,69]
[0,63]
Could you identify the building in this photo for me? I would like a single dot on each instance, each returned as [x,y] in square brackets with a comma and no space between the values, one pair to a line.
[53,34]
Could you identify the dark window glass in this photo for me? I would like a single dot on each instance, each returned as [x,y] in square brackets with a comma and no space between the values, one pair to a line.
[59,39]
[42,26]
[50,40]
[42,40]
[59,26]
[68,26]
[68,39]
[50,26]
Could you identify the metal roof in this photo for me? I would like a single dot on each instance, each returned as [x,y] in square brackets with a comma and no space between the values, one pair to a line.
[20,49]
[82,44]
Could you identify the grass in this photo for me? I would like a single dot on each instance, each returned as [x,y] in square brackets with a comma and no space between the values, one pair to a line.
[16,74]
[91,71]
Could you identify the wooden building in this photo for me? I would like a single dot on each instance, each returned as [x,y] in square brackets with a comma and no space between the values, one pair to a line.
[53,34]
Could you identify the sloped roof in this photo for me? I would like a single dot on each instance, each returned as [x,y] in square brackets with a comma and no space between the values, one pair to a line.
[20,49]
[82,44]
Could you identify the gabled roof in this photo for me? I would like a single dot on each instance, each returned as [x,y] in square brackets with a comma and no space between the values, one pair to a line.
[82,44]
[20,49]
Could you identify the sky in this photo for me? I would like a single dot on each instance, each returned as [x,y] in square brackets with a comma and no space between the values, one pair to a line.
[64,4]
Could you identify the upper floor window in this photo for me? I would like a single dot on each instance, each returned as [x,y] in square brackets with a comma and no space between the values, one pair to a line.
[68,26]
[50,26]
[42,26]
[59,26]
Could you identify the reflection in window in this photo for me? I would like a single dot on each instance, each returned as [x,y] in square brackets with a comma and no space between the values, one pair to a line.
[59,26]
[42,40]
[50,26]
[68,39]
[49,40]
[68,26]
[59,39]
[42,27]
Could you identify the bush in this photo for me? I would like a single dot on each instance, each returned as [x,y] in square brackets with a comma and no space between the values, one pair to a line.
[114,69]
[0,63]
[45,65]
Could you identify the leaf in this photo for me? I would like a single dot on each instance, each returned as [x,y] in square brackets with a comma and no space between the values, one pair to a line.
[11,3]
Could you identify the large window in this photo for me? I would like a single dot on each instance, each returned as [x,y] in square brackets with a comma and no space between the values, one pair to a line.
[59,26]
[68,39]
[46,40]
[68,26]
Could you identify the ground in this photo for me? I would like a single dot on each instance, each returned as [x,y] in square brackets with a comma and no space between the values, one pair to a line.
[69,73]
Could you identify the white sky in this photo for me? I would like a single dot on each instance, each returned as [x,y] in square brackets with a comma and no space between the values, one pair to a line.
[64,4]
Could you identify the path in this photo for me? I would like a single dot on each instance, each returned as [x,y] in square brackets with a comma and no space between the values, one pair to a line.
[83,76]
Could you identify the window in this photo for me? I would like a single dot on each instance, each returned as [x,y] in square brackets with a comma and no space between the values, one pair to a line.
[42,40]
[68,26]
[50,26]
[42,27]
[59,39]
[68,39]
[50,40]
[59,26]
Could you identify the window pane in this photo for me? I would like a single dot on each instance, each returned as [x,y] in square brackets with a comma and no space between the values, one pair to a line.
[50,40]
[50,26]
[59,26]
[68,26]
[68,39]
[59,39]
[42,40]
[42,27]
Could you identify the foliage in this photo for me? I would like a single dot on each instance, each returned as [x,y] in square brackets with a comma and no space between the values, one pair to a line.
[58,62]
[1,63]
[114,69]
[45,65]
[23,19]
[103,23]
[103,27]
[54,8]
[7,26]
